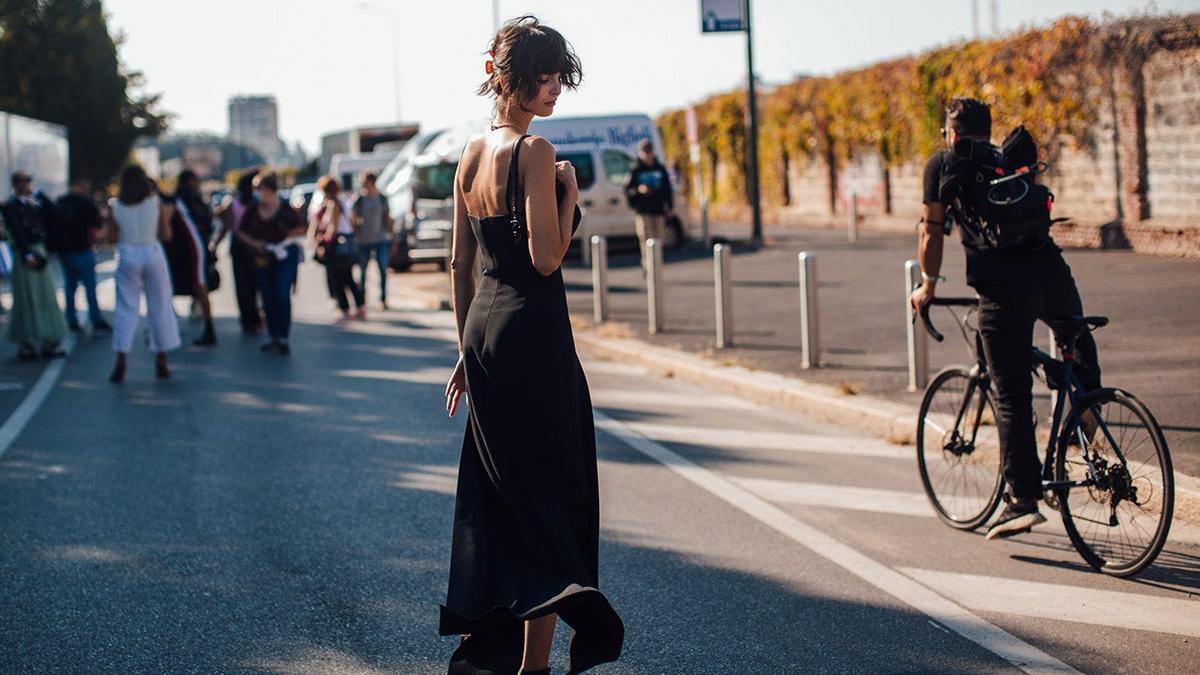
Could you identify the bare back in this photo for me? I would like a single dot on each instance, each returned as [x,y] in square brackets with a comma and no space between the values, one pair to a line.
[483,174]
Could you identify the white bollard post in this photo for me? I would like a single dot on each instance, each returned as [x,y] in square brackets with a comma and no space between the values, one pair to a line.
[654,286]
[918,341]
[810,342]
[599,249]
[852,221]
[724,295]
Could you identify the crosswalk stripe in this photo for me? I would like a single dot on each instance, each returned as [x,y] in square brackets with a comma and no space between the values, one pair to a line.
[770,440]
[414,376]
[631,399]
[894,502]
[1064,603]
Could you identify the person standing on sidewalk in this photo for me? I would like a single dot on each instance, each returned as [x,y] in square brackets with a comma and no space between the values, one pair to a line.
[527,515]
[335,235]
[1017,285]
[372,234]
[35,320]
[241,258]
[140,223]
[274,231]
[648,191]
[73,236]
[189,254]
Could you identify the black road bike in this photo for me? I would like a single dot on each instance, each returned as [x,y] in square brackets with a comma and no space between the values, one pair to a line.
[1106,466]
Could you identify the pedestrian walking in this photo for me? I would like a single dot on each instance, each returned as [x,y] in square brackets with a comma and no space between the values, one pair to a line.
[275,233]
[372,234]
[73,237]
[334,238]
[527,517]
[648,191]
[192,266]
[241,257]
[35,321]
[140,223]
[1020,276]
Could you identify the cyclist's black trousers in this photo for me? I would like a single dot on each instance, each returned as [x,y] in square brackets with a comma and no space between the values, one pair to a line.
[1016,289]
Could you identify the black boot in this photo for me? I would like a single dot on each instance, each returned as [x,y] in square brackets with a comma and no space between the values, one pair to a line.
[208,338]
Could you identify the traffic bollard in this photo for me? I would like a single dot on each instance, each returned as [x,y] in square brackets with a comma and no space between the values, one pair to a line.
[852,221]
[918,341]
[599,249]
[810,342]
[724,295]
[654,286]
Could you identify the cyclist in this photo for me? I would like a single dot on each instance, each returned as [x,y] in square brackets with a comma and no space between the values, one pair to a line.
[1017,285]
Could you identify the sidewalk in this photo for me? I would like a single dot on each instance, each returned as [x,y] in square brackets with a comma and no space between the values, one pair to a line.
[1152,347]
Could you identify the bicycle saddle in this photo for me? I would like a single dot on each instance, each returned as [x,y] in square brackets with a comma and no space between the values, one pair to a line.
[1074,326]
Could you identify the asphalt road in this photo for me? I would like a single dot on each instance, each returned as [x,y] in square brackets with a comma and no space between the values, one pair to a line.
[292,515]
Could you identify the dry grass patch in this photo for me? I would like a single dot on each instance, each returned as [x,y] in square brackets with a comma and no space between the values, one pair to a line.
[849,388]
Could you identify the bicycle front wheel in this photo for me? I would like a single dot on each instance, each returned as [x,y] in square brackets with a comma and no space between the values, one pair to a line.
[1119,521]
[958,449]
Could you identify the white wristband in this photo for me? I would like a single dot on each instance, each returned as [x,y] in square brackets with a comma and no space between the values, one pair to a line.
[936,277]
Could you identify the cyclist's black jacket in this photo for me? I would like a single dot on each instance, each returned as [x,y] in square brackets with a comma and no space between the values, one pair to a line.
[982,257]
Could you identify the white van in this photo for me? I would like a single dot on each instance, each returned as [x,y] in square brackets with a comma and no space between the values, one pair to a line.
[348,167]
[603,149]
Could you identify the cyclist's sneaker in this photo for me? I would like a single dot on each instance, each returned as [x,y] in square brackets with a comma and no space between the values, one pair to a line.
[1016,518]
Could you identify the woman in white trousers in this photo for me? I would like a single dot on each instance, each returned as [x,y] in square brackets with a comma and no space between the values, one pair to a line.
[141,222]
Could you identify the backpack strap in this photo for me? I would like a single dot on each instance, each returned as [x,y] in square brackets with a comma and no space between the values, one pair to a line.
[512,187]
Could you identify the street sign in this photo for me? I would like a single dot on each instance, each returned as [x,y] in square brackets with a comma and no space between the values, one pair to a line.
[722,16]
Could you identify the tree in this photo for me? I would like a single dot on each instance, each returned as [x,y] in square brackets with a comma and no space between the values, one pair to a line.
[60,64]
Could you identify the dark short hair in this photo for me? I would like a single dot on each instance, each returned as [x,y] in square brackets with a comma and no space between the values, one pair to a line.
[328,184]
[267,180]
[19,176]
[969,116]
[245,185]
[369,177]
[522,51]
[645,145]
[134,185]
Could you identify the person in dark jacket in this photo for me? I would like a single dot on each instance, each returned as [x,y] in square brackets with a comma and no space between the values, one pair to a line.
[245,272]
[72,236]
[192,219]
[648,191]
[35,319]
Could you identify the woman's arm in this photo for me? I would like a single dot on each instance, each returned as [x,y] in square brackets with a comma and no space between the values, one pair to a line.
[462,261]
[549,222]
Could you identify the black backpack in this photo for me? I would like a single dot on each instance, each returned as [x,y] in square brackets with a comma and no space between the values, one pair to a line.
[994,189]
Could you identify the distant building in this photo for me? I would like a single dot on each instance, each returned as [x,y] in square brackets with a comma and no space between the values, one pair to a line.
[254,123]
[362,139]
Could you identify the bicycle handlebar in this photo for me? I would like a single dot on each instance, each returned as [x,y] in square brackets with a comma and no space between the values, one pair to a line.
[943,302]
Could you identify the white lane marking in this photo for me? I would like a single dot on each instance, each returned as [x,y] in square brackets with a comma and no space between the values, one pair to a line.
[894,502]
[11,386]
[1065,603]
[33,400]
[414,376]
[632,399]
[770,440]
[1005,645]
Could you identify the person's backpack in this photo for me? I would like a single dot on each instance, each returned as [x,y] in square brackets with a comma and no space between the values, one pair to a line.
[994,188]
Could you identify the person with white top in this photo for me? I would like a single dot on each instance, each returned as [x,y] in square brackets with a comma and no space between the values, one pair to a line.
[140,222]
[335,234]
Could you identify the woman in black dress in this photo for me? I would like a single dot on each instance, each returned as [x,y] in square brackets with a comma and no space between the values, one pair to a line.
[527,517]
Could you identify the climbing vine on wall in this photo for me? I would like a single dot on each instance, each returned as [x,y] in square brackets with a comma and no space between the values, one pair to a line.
[1048,79]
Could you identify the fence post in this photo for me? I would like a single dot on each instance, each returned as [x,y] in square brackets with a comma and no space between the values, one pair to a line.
[723,294]
[852,221]
[918,341]
[599,249]
[810,340]
[654,286]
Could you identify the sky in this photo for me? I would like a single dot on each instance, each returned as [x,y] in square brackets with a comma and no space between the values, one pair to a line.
[330,62]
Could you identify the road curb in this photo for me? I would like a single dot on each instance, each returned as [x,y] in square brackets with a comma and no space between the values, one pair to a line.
[878,417]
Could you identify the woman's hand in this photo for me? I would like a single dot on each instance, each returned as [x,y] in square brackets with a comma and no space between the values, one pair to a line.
[564,172]
[456,387]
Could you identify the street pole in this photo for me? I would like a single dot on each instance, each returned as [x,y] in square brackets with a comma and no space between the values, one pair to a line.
[752,108]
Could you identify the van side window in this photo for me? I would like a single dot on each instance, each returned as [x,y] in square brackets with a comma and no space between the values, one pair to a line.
[585,168]
[616,166]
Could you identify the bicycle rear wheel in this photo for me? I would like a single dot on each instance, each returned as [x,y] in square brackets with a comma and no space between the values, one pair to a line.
[958,449]
[1120,522]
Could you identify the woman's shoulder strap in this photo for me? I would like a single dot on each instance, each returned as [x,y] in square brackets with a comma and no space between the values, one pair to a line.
[513,185]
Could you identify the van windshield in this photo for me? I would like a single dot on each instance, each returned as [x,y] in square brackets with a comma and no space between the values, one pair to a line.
[435,181]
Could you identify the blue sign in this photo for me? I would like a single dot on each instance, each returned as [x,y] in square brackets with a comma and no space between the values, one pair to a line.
[722,16]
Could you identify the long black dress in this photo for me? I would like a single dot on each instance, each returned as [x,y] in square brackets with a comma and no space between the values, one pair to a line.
[527,517]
